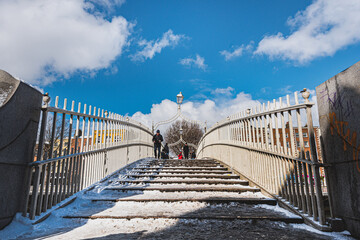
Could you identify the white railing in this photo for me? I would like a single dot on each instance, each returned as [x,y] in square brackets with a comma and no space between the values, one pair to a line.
[274,147]
[77,148]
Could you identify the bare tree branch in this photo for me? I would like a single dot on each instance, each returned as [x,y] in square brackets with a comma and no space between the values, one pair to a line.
[192,132]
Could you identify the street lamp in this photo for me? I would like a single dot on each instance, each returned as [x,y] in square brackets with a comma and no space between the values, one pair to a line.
[181,132]
[179,98]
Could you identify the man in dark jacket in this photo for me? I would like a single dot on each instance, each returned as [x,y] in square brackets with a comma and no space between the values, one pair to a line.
[186,151]
[157,139]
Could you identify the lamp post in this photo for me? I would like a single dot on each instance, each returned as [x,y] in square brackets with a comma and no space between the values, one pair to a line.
[181,132]
[179,99]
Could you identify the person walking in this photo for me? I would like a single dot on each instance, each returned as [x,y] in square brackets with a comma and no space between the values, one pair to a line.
[186,151]
[180,156]
[193,155]
[157,139]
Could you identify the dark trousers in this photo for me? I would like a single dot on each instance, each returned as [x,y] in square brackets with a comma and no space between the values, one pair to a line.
[157,151]
[186,155]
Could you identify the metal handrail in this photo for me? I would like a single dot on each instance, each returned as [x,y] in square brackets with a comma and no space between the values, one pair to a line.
[68,161]
[271,159]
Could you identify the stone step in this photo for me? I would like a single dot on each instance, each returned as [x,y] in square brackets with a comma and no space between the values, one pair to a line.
[198,217]
[187,172]
[184,160]
[181,165]
[186,181]
[214,200]
[186,189]
[182,168]
[184,176]
[182,210]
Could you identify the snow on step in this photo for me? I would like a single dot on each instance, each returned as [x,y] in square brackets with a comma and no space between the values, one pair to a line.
[185,172]
[181,168]
[182,181]
[106,214]
[228,176]
[176,188]
[170,195]
[188,210]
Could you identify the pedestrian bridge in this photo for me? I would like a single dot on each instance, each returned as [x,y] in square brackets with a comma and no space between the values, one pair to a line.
[50,152]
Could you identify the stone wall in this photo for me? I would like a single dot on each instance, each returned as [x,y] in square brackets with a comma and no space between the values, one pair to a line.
[339,109]
[20,107]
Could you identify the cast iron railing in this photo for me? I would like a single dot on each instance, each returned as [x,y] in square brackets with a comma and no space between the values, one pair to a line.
[78,148]
[267,146]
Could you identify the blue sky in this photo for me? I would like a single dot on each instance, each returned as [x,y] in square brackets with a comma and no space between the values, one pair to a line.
[102,52]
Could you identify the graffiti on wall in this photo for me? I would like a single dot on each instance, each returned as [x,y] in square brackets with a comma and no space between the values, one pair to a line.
[347,135]
[343,105]
[338,102]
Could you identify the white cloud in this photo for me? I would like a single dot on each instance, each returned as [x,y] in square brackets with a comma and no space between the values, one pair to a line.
[198,62]
[42,40]
[323,28]
[150,48]
[224,91]
[285,89]
[108,4]
[218,108]
[237,52]
[206,110]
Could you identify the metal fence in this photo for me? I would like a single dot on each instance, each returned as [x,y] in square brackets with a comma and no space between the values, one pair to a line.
[276,147]
[78,148]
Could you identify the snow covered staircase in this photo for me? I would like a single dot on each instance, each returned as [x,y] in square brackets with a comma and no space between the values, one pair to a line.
[171,199]
[182,189]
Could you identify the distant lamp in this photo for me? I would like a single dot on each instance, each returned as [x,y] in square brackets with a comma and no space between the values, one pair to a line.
[179,98]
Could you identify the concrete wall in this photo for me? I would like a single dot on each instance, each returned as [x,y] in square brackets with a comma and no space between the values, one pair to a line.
[339,109]
[20,107]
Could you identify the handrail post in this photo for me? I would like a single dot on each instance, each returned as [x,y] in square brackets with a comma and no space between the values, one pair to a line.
[318,191]
[35,192]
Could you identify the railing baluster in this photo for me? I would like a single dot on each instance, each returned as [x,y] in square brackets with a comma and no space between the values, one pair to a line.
[302,155]
[62,180]
[69,161]
[36,193]
[316,169]
[277,136]
[53,165]
[312,191]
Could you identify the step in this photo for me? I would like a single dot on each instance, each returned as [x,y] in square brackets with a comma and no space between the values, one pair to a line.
[186,181]
[198,217]
[181,168]
[184,176]
[186,189]
[181,165]
[184,160]
[187,172]
[267,201]
[181,210]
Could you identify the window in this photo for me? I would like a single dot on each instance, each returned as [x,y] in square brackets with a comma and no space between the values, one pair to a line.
[306,143]
[305,134]
[297,143]
[297,134]
[287,144]
[287,135]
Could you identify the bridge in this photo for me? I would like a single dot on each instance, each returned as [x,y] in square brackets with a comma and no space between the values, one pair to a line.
[258,173]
